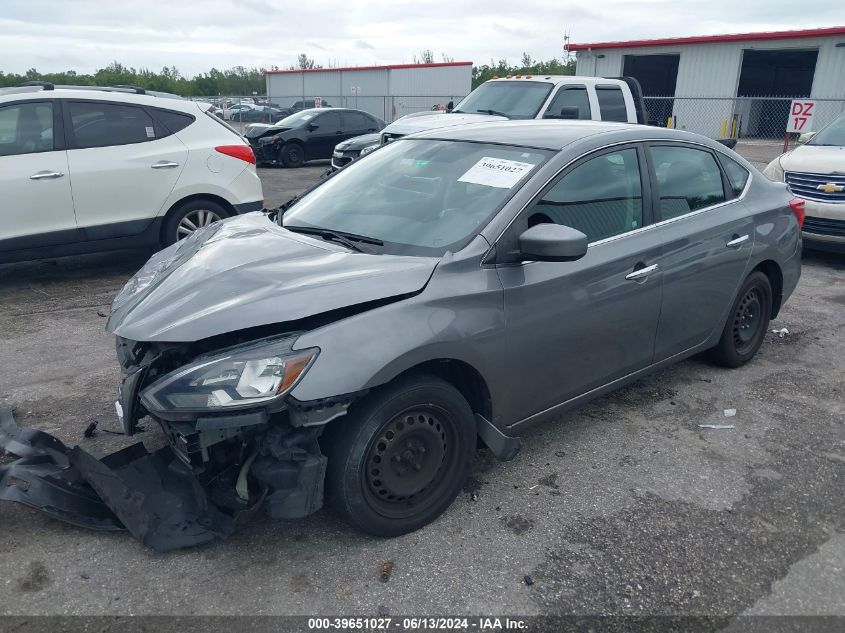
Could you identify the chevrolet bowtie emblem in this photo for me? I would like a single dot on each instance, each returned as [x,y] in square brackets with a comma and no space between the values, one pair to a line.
[830,187]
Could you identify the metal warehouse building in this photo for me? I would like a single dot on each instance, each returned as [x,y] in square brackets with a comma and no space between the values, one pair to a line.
[728,85]
[387,92]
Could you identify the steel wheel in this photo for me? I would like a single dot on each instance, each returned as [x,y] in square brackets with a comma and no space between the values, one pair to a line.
[408,461]
[195,219]
[747,321]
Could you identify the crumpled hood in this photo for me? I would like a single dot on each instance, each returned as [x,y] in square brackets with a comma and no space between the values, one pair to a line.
[815,159]
[256,130]
[249,272]
[410,125]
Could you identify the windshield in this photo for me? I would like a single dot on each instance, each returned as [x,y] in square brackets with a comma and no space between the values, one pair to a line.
[833,134]
[418,197]
[296,120]
[516,99]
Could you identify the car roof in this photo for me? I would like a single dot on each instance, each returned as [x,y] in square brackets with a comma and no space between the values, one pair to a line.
[556,134]
[561,79]
[119,95]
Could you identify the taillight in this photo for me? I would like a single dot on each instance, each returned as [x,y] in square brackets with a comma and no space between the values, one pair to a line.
[242,152]
[797,206]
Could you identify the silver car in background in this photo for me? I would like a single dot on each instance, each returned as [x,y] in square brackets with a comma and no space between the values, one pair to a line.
[459,284]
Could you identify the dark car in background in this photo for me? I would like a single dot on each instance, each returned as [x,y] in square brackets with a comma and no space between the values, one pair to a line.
[347,151]
[258,114]
[308,135]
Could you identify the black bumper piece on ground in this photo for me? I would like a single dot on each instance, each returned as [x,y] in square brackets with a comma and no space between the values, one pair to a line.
[153,495]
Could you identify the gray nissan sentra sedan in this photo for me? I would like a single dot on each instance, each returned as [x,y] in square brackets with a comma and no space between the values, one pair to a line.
[450,288]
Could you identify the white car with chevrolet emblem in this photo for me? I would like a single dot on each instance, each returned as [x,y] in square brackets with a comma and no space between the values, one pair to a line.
[815,172]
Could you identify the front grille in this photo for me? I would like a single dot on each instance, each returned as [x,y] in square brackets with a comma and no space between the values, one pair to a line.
[824,226]
[806,186]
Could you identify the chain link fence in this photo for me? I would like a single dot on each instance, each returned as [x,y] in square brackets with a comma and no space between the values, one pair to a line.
[271,108]
[749,119]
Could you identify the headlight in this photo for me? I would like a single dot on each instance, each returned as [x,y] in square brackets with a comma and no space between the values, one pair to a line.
[774,170]
[240,377]
[266,140]
[368,149]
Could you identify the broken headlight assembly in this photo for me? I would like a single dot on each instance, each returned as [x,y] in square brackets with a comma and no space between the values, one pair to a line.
[241,377]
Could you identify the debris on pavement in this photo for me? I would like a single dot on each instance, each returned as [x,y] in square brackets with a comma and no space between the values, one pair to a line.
[102,313]
[528,580]
[716,426]
[90,430]
[385,570]
[781,332]
[729,413]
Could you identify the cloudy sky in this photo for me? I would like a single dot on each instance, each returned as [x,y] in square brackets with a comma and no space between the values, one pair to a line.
[55,35]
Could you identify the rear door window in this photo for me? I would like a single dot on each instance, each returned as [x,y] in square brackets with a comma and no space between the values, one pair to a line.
[26,128]
[612,103]
[569,97]
[601,197]
[95,124]
[688,179]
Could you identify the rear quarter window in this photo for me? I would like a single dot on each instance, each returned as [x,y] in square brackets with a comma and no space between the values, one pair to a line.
[173,121]
[737,174]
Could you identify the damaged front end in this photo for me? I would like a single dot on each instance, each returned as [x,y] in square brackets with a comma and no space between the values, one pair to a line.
[232,448]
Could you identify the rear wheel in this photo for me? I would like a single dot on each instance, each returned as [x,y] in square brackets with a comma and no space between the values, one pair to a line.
[401,457]
[191,216]
[292,155]
[747,324]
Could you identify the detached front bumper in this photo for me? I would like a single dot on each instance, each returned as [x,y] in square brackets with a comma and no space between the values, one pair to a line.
[170,498]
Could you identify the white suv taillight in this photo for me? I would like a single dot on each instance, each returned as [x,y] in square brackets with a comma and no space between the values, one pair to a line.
[241,152]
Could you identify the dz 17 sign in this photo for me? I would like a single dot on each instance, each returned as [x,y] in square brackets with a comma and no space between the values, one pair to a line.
[801,113]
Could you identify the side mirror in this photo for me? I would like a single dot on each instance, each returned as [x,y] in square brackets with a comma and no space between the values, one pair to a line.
[566,112]
[312,127]
[450,106]
[805,138]
[552,243]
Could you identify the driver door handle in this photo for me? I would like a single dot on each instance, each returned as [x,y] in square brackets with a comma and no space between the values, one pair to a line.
[46,175]
[737,241]
[641,273]
[164,164]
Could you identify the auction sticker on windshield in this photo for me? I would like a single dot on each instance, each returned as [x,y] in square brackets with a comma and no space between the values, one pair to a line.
[496,172]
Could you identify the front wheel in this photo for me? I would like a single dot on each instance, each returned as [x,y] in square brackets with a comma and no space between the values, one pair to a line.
[292,155]
[190,217]
[747,324]
[401,457]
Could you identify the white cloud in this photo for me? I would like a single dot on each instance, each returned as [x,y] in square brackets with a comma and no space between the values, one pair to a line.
[55,35]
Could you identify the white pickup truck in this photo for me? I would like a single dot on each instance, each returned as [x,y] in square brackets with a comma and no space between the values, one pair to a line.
[535,97]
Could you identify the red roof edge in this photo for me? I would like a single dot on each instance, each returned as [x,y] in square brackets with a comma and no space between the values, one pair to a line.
[346,68]
[714,39]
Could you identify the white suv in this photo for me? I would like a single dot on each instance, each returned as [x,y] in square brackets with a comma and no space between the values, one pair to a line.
[85,170]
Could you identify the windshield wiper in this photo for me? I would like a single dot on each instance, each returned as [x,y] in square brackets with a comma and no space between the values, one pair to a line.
[494,113]
[349,240]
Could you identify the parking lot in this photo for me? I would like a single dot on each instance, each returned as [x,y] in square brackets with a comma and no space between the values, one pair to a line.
[625,506]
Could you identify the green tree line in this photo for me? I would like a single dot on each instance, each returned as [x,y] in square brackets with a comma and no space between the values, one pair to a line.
[245,81]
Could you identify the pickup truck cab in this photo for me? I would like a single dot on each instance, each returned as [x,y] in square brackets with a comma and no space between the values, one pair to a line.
[535,97]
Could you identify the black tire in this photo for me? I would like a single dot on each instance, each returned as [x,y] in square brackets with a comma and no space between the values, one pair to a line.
[747,324]
[401,456]
[178,221]
[292,155]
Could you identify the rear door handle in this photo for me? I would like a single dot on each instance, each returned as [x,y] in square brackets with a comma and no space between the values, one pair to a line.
[737,241]
[641,273]
[164,164]
[46,175]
